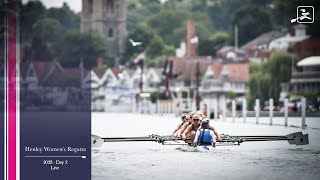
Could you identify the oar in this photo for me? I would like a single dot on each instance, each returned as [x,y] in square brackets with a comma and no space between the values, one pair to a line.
[141,137]
[217,144]
[294,138]
[97,141]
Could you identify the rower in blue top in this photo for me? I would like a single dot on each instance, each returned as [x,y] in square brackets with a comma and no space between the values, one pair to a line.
[205,136]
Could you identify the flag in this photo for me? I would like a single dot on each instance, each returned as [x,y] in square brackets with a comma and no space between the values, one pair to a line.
[139,58]
[194,40]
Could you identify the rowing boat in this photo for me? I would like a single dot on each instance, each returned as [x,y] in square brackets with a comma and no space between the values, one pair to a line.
[297,138]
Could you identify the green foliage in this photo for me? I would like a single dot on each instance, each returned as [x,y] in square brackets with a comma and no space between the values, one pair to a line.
[29,14]
[154,96]
[213,43]
[266,78]
[231,95]
[221,12]
[67,18]
[167,21]
[88,46]
[156,60]
[156,47]
[250,25]
[45,30]
[139,10]
[259,85]
[143,33]
[310,95]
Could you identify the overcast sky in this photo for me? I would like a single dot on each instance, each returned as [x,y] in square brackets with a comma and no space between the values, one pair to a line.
[75,5]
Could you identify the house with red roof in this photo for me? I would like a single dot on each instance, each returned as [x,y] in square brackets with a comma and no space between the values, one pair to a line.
[182,82]
[221,79]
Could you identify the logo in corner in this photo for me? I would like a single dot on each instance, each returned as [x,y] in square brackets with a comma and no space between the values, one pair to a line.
[305,14]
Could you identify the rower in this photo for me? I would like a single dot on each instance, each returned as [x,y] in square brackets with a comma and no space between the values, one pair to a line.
[191,130]
[185,125]
[176,131]
[215,132]
[205,136]
[211,127]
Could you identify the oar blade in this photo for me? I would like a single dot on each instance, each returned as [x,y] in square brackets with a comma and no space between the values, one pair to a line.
[303,140]
[96,141]
[292,136]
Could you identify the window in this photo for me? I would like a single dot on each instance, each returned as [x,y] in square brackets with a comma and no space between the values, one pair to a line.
[90,6]
[210,77]
[110,6]
[110,33]
[184,95]
[187,83]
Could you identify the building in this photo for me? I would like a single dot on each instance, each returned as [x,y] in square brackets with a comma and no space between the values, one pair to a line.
[231,54]
[49,85]
[285,42]
[108,17]
[113,88]
[305,82]
[306,48]
[257,49]
[183,83]
[220,80]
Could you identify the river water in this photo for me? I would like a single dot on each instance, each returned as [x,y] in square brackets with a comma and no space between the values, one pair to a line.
[150,160]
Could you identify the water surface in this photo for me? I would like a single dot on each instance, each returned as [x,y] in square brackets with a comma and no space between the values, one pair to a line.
[149,160]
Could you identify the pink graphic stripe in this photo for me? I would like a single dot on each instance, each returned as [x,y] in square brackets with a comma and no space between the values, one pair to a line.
[12,92]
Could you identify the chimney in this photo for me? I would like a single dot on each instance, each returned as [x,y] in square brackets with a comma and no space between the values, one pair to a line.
[300,30]
[191,33]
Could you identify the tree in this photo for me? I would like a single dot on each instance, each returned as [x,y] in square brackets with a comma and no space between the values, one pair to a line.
[213,43]
[152,43]
[67,18]
[156,47]
[142,33]
[168,21]
[88,46]
[139,10]
[266,78]
[250,25]
[259,87]
[47,29]
[45,32]
[29,14]
[280,66]
[221,13]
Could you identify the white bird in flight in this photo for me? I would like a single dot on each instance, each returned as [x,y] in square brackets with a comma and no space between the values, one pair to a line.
[135,43]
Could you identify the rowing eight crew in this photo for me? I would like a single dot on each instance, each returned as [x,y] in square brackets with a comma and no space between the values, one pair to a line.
[195,129]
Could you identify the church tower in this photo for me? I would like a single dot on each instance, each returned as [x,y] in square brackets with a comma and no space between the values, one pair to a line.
[108,17]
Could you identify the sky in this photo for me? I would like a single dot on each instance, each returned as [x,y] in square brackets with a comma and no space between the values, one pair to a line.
[75,5]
